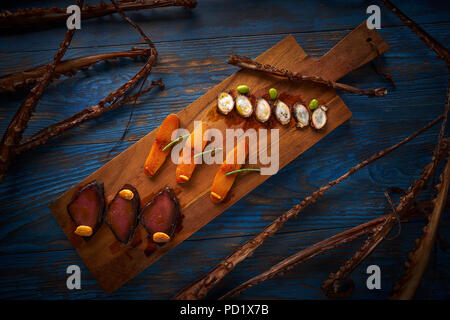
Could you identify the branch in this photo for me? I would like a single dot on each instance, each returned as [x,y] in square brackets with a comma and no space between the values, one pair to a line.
[19,123]
[19,80]
[201,287]
[37,17]
[247,63]
[432,43]
[58,128]
[136,26]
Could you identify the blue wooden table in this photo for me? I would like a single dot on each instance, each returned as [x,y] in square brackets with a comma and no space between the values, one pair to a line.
[193,47]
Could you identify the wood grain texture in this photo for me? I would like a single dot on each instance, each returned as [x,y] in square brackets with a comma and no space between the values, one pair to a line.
[34,251]
[215,19]
[113,267]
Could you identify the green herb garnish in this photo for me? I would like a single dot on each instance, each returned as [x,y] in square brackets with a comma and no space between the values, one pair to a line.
[207,151]
[241,170]
[176,141]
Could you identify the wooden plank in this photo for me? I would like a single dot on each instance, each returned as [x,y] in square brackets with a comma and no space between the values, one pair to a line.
[115,266]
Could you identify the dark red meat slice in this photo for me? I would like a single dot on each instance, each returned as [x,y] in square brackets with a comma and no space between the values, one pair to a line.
[87,206]
[161,214]
[122,215]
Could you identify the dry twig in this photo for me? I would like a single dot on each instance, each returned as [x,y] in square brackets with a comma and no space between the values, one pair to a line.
[432,43]
[56,129]
[247,63]
[37,17]
[23,79]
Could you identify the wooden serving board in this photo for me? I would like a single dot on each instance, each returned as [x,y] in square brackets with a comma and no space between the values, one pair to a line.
[112,263]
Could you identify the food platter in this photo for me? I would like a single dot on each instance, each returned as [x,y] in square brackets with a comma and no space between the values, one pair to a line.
[111,261]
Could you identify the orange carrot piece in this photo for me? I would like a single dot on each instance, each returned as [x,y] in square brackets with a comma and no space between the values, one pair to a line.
[156,157]
[222,183]
[186,164]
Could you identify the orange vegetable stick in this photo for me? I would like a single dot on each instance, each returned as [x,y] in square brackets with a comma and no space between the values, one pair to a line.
[186,164]
[156,157]
[222,183]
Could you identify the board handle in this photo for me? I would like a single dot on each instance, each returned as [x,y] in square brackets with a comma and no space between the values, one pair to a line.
[358,48]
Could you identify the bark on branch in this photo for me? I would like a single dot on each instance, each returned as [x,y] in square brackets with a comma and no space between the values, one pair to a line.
[96,111]
[432,43]
[23,79]
[38,17]
[249,64]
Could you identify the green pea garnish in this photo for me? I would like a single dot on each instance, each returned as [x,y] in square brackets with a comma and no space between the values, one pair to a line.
[273,93]
[243,89]
[313,104]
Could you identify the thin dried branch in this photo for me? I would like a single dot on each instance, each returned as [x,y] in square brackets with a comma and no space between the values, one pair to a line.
[379,69]
[37,17]
[152,46]
[439,145]
[247,63]
[200,288]
[142,73]
[58,128]
[15,130]
[419,209]
[136,26]
[406,201]
[23,79]
[117,94]
[397,216]
[432,43]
